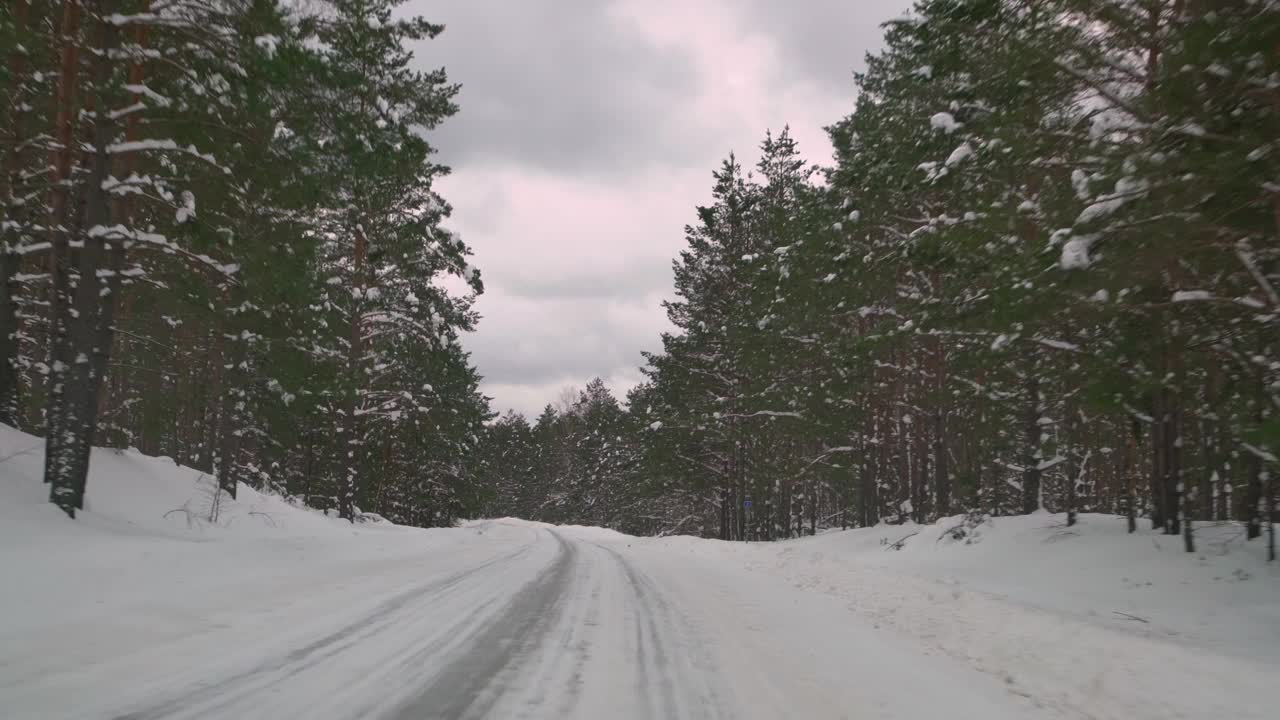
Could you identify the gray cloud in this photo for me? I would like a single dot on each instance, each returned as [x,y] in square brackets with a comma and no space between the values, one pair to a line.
[565,86]
[573,343]
[636,277]
[823,41]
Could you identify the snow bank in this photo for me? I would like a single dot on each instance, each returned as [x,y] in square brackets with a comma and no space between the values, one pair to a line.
[1220,597]
[1087,620]
[132,587]
[133,494]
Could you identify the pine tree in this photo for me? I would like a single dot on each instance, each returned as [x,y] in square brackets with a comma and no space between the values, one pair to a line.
[381,239]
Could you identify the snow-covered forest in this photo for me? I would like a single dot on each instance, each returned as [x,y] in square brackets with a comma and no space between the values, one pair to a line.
[1042,272]
[221,244]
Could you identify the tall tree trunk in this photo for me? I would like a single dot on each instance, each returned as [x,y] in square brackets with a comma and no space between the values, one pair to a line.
[378,505]
[726,497]
[1032,455]
[227,442]
[1223,507]
[88,325]
[813,506]
[1179,507]
[1074,471]
[941,464]
[219,406]
[59,236]
[869,514]
[783,507]
[109,297]
[355,364]
[1271,517]
[1172,463]
[1131,475]
[1209,436]
[10,344]
[1254,478]
[920,473]
[11,227]
[1159,427]
[1188,539]
[308,462]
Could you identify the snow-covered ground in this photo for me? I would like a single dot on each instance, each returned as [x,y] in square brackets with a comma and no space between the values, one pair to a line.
[1085,621]
[135,611]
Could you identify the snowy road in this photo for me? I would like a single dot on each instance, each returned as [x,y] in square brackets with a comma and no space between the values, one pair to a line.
[507,620]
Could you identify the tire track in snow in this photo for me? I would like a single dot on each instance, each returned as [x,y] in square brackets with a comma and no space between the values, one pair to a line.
[666,660]
[592,637]
[552,679]
[209,698]
[558,628]
[472,684]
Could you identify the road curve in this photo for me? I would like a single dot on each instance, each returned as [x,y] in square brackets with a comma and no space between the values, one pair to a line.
[541,623]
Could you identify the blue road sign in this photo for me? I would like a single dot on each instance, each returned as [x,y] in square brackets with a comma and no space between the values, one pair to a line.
[746,503]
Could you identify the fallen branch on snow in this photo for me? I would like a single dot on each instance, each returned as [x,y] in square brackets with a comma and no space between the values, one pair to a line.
[902,542]
[1131,617]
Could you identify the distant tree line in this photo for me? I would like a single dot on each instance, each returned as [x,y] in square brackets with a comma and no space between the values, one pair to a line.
[1043,272]
[575,464]
[219,242]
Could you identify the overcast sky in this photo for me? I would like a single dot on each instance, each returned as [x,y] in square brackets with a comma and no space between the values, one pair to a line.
[587,135]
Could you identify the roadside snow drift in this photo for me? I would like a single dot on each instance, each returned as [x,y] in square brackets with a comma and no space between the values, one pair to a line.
[1089,620]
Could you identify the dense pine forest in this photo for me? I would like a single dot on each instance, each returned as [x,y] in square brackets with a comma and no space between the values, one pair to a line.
[221,244]
[1042,271]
